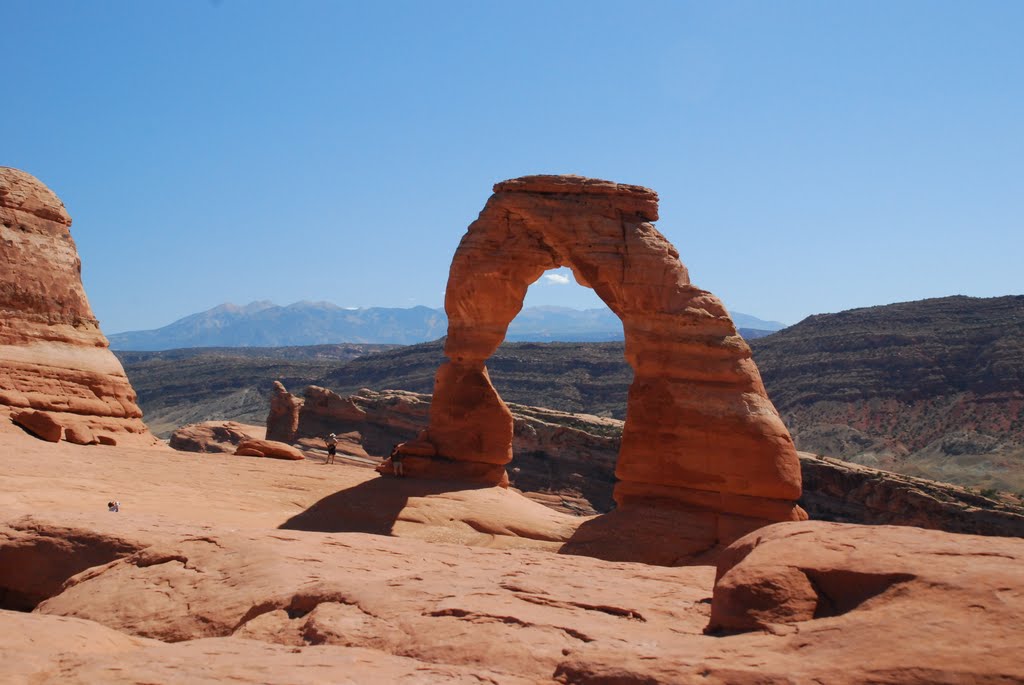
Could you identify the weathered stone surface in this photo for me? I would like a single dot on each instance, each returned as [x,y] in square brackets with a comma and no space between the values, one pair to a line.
[269,448]
[796,573]
[836,603]
[283,419]
[700,429]
[214,436]
[106,440]
[39,424]
[887,604]
[53,356]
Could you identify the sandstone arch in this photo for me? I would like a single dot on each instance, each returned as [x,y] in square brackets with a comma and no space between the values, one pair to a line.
[700,430]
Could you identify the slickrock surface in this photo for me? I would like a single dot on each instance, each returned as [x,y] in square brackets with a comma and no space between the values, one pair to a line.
[214,436]
[700,429]
[843,604]
[220,555]
[53,356]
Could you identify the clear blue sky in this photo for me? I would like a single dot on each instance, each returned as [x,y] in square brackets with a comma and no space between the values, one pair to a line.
[810,156]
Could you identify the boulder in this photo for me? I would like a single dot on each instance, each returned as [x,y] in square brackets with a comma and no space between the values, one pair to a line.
[700,430]
[269,448]
[106,440]
[53,355]
[248,452]
[39,424]
[80,435]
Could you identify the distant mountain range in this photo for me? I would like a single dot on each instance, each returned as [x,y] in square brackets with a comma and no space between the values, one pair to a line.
[265,324]
[933,388]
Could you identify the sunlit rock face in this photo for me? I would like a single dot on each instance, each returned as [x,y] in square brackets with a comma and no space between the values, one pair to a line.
[53,355]
[700,430]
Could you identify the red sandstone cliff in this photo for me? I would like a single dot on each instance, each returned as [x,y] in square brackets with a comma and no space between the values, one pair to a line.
[53,355]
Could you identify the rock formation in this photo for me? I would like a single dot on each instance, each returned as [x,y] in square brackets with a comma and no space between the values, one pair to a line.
[213,436]
[700,430]
[268,448]
[567,462]
[53,356]
[825,603]
[283,419]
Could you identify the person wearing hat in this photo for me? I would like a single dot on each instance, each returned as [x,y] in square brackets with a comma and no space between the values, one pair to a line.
[332,447]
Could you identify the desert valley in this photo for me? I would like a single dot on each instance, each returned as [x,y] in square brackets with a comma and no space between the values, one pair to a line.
[838,502]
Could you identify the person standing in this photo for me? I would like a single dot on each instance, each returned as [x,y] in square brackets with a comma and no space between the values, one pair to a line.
[396,463]
[332,447]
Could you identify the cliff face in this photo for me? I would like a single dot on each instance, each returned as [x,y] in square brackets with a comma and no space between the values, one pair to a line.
[53,356]
[932,388]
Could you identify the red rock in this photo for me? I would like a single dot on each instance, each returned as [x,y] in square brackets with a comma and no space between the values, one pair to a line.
[699,428]
[80,435]
[213,436]
[106,440]
[39,424]
[53,355]
[270,448]
[283,419]
[843,604]
[248,452]
[888,604]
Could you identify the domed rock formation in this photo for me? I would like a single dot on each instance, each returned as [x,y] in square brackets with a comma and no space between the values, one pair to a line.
[53,356]
[700,431]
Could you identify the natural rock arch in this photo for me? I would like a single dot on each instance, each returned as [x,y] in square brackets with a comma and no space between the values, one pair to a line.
[700,430]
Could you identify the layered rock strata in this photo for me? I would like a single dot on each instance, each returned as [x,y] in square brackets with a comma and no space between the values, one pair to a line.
[700,430]
[53,355]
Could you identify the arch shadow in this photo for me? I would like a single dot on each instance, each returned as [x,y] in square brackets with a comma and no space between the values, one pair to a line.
[369,507]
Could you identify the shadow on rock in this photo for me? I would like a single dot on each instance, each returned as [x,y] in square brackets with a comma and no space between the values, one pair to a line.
[665,535]
[370,507]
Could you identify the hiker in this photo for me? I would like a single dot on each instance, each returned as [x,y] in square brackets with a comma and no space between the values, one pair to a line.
[114,506]
[332,447]
[396,463]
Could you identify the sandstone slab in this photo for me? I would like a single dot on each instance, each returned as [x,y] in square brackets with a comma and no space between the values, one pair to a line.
[39,424]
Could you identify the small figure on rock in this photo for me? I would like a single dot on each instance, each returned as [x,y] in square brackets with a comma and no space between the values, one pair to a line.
[332,447]
[396,463]
[114,506]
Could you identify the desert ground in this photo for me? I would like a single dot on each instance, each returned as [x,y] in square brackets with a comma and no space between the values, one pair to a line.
[216,568]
